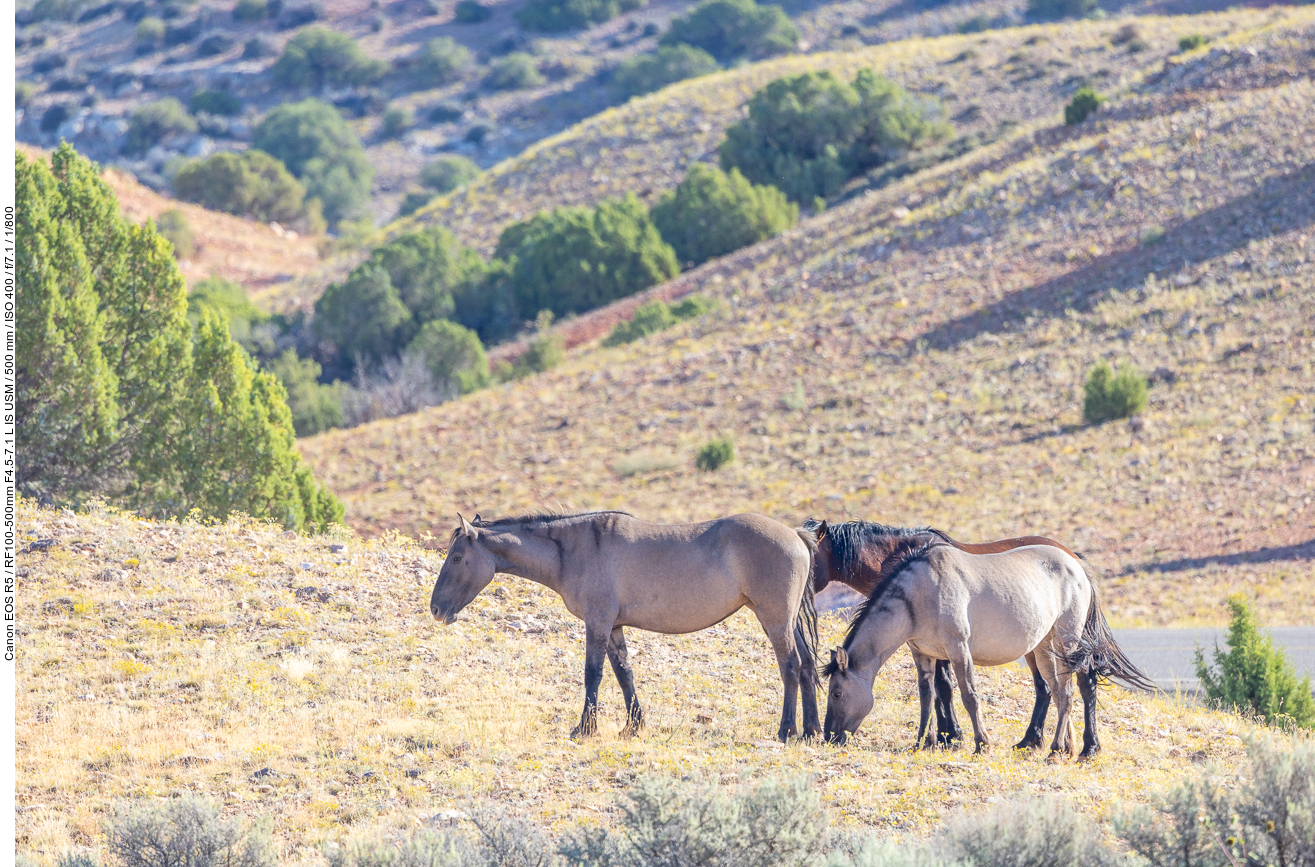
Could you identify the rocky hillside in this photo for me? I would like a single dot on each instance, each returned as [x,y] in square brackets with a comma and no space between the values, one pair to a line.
[916,355]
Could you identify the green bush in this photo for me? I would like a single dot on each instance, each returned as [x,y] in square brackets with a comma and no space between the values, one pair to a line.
[156,123]
[1268,819]
[118,395]
[656,316]
[228,302]
[649,72]
[173,226]
[516,71]
[250,10]
[318,56]
[149,31]
[471,12]
[712,213]
[1084,102]
[1110,396]
[318,147]
[186,831]
[1048,10]
[250,183]
[315,407]
[808,134]
[574,259]
[219,102]
[544,353]
[23,93]
[732,30]
[555,16]
[1254,676]
[453,355]
[715,455]
[258,47]
[396,120]
[447,173]
[1191,43]
[443,60]
[380,308]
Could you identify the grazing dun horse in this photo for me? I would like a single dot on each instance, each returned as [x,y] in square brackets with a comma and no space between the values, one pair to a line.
[980,609]
[613,571]
[862,553]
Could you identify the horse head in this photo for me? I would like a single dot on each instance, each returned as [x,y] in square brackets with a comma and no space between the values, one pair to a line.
[849,698]
[468,569]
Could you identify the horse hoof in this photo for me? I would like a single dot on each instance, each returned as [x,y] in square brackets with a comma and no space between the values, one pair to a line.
[982,749]
[1057,757]
[1027,744]
[628,732]
[580,734]
[1088,756]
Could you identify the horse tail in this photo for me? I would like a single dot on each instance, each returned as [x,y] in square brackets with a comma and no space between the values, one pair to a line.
[806,620]
[1099,653]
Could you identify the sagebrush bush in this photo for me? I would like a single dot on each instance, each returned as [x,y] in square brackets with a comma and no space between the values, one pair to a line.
[648,319]
[156,123]
[712,213]
[544,353]
[1109,395]
[516,71]
[443,60]
[1084,102]
[1254,676]
[808,134]
[732,30]
[1189,43]
[714,455]
[646,73]
[447,173]
[188,831]
[555,16]
[249,183]
[1032,833]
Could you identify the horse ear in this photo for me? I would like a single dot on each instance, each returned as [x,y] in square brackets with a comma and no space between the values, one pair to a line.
[821,531]
[841,659]
[466,529]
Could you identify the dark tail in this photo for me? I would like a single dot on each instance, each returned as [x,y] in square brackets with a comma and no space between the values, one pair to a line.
[1098,652]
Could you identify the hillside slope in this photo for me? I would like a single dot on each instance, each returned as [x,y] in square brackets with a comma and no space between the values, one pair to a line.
[936,334]
[301,682]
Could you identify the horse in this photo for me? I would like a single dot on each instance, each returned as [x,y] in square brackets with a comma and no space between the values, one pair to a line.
[980,609]
[613,570]
[861,553]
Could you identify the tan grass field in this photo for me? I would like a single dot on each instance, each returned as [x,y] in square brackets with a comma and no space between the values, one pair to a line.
[309,688]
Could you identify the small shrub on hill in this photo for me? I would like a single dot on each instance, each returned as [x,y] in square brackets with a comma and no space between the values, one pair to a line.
[1084,102]
[1025,834]
[1254,676]
[149,31]
[250,10]
[453,355]
[1110,396]
[447,173]
[228,302]
[299,16]
[1191,43]
[715,455]
[712,213]
[1049,10]
[445,112]
[258,47]
[173,226]
[318,56]
[181,34]
[315,407]
[649,72]
[396,120]
[52,117]
[186,831]
[443,60]
[23,93]
[54,10]
[516,71]
[250,183]
[808,134]
[731,30]
[545,351]
[555,16]
[574,259]
[318,147]
[471,12]
[219,102]
[215,44]
[656,316]
[157,123]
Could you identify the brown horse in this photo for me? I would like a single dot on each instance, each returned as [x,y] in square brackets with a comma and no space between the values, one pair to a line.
[861,554]
[613,570]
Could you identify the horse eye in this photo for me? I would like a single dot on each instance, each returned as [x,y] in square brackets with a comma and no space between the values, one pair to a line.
[456,559]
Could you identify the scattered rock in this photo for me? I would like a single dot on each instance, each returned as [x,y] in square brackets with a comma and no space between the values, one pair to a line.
[412,773]
[446,817]
[41,545]
[704,719]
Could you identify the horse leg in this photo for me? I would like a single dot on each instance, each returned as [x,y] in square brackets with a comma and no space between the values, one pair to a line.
[1036,729]
[616,654]
[1090,742]
[948,733]
[962,658]
[928,670]
[787,660]
[595,648]
[807,684]
[1061,686]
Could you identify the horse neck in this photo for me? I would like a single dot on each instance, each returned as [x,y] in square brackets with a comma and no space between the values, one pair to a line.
[517,551]
[881,633]
[879,554]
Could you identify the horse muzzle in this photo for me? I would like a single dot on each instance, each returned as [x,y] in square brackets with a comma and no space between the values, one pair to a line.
[447,618]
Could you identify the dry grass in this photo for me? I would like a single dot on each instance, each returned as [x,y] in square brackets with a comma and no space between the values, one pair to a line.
[942,327]
[308,686]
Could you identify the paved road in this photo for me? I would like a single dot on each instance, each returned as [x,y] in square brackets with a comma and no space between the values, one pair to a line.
[1168,656]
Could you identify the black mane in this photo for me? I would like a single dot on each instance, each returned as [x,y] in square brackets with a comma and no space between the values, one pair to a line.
[903,560]
[848,539]
[538,518]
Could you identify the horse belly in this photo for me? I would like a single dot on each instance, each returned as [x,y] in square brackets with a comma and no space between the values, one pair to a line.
[658,604]
[1001,631]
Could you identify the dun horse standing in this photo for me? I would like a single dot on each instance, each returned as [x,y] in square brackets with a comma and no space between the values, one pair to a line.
[861,554]
[980,609]
[613,571]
